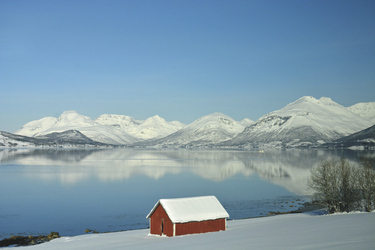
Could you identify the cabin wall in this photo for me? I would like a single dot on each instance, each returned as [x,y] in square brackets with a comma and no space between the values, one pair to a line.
[200,226]
[160,222]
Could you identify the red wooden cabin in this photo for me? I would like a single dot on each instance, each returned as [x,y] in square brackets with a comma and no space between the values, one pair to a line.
[172,217]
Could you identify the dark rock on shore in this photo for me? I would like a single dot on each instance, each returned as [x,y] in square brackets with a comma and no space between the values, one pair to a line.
[28,240]
[307,207]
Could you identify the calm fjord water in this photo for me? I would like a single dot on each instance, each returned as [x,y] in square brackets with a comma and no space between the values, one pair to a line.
[71,190]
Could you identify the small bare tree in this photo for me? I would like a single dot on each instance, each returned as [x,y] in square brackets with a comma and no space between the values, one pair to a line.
[323,181]
[335,186]
[366,184]
[348,193]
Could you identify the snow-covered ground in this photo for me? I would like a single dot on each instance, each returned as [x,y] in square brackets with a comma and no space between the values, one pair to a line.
[292,231]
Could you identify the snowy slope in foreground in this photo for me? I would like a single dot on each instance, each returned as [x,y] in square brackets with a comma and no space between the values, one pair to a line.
[304,122]
[292,231]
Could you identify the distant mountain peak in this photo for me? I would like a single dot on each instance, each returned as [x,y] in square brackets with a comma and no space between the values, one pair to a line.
[246,122]
[69,112]
[306,121]
[116,120]
[69,115]
[307,98]
[313,100]
[326,100]
[154,118]
[365,110]
[73,118]
[209,129]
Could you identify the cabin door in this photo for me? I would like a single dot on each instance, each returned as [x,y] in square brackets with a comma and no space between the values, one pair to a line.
[162,226]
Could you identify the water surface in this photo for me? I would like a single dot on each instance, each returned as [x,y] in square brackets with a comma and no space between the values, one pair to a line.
[71,190]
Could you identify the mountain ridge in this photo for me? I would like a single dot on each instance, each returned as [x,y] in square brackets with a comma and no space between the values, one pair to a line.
[208,129]
[306,122]
[69,138]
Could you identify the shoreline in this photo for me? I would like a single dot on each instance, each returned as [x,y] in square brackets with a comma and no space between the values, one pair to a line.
[308,207]
[17,240]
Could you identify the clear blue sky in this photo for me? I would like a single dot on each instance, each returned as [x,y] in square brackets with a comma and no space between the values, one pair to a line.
[181,59]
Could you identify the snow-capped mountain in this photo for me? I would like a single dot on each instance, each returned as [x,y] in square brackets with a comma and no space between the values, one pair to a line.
[246,122]
[365,110]
[33,128]
[155,127]
[152,128]
[109,129]
[71,120]
[209,129]
[305,122]
[119,121]
[67,121]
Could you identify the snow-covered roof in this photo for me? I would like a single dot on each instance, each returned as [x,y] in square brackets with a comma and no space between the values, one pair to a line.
[192,209]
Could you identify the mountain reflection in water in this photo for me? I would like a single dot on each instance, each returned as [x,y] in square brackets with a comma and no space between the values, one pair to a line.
[287,168]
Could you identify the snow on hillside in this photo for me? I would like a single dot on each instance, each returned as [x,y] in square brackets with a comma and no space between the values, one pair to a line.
[120,121]
[8,142]
[305,121]
[152,128]
[71,120]
[217,121]
[68,120]
[209,129]
[246,122]
[322,114]
[292,231]
[110,129]
[155,127]
[36,127]
[365,110]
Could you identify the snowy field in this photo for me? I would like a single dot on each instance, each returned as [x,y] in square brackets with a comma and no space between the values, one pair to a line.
[292,231]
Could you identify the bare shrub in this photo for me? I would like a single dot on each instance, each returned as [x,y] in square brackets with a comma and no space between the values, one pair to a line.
[336,185]
[365,177]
